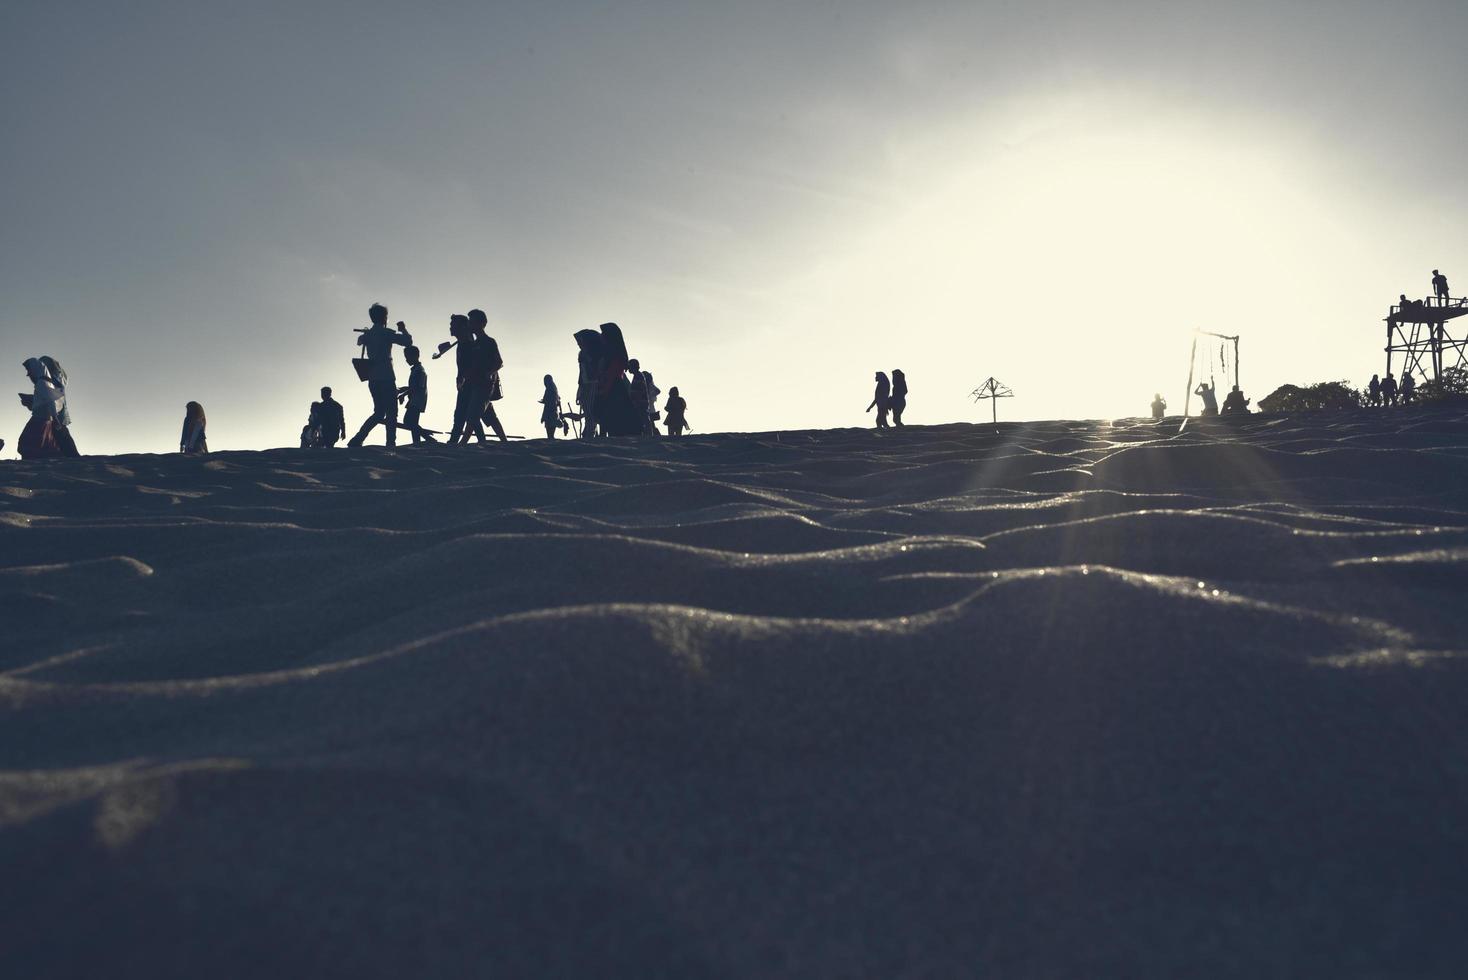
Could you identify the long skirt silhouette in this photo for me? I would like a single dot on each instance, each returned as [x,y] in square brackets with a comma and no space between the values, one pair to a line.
[45,439]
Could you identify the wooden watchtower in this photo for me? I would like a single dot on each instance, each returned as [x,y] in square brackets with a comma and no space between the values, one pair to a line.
[1418,330]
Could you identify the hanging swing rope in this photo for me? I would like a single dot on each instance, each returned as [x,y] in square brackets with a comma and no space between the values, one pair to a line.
[1193,364]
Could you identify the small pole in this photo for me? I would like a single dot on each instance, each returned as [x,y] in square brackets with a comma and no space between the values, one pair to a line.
[1192,362]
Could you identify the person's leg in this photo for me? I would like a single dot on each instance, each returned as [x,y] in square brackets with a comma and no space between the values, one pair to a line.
[458,435]
[493,419]
[362,433]
[410,419]
[550,431]
[385,400]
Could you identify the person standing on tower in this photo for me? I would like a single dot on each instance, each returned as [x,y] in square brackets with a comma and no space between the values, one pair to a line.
[1440,287]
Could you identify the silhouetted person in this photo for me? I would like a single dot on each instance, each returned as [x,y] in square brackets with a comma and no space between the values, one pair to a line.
[479,386]
[899,396]
[377,342]
[488,364]
[1210,399]
[615,413]
[1234,403]
[47,434]
[415,396]
[652,402]
[311,431]
[1373,391]
[882,400]
[466,413]
[588,377]
[1440,287]
[1389,389]
[637,388]
[1411,310]
[1408,388]
[192,441]
[1159,407]
[550,412]
[676,413]
[329,420]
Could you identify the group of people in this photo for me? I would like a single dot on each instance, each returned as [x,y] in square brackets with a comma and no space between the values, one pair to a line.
[1386,391]
[1234,403]
[615,394]
[890,396]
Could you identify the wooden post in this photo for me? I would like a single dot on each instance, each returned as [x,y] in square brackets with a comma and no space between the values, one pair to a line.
[1192,360]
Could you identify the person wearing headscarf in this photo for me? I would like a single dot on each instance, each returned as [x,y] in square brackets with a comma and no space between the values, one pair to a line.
[882,400]
[192,441]
[675,412]
[550,412]
[899,396]
[652,401]
[47,435]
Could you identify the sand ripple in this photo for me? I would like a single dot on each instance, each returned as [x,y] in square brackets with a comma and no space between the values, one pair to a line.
[1074,699]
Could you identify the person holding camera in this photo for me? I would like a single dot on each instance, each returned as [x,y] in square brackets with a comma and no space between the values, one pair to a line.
[377,343]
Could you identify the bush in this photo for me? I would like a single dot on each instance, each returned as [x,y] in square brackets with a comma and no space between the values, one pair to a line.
[1451,387]
[1323,397]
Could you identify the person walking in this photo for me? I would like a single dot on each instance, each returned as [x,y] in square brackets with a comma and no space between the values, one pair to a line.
[1159,407]
[1373,391]
[676,413]
[487,365]
[899,396]
[415,396]
[1408,389]
[466,414]
[588,373]
[192,441]
[377,342]
[652,402]
[550,412]
[882,400]
[1389,389]
[47,434]
[638,388]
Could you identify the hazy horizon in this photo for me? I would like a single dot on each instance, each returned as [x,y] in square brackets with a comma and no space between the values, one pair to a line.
[774,201]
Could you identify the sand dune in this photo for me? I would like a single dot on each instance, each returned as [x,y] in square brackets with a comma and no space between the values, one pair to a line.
[1072,699]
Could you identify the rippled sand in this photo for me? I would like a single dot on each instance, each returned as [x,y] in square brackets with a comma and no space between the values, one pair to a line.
[1075,699]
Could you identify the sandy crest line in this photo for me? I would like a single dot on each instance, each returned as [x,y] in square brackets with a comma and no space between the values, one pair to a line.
[19,693]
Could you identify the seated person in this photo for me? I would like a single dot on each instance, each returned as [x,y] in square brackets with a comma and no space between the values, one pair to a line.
[1236,403]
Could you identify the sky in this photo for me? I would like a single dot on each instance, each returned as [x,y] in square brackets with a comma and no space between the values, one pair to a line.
[774,200]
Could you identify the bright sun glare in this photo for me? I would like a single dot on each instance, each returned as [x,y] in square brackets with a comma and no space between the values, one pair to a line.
[1075,261]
